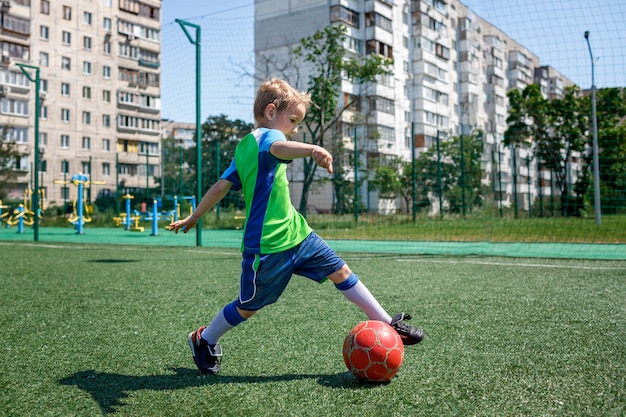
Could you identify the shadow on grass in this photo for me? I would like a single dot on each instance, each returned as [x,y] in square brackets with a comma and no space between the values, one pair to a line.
[111,261]
[109,389]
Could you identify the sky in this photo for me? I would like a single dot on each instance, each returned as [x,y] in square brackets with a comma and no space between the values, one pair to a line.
[553,30]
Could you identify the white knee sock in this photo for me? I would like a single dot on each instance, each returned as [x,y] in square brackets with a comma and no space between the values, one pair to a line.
[218,328]
[361,296]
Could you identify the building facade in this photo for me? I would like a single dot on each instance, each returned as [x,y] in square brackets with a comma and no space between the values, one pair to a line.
[100,106]
[451,74]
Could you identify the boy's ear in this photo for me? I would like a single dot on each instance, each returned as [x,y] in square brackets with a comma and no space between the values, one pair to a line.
[270,111]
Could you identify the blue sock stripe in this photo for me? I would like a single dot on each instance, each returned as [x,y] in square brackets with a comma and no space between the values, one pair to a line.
[352,280]
[231,314]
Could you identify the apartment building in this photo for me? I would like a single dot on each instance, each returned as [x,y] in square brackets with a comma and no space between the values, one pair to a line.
[99,65]
[452,70]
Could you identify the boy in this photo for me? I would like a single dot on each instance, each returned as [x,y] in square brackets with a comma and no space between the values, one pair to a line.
[277,241]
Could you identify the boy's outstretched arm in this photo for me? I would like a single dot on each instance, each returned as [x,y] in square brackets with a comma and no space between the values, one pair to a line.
[213,196]
[288,150]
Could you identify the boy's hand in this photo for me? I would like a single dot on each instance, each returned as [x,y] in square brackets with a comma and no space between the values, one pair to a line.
[186,224]
[323,158]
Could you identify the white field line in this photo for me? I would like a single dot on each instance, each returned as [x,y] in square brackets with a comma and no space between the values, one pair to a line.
[449,261]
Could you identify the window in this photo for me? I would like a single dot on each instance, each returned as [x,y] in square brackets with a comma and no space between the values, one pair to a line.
[43,85]
[65,115]
[106,48]
[67,13]
[378,20]
[66,63]
[43,59]
[87,18]
[44,32]
[44,7]
[87,43]
[14,107]
[43,115]
[106,120]
[87,117]
[87,92]
[65,165]
[106,3]
[67,38]
[17,135]
[106,145]
[65,144]
[345,15]
[376,47]
[86,142]
[106,72]
[86,167]
[382,104]
[106,169]
[131,6]
[442,51]
[148,11]
[106,96]
[87,67]
[435,119]
[106,23]
[65,89]
[43,139]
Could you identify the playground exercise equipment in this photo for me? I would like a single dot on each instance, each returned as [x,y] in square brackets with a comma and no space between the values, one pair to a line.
[23,215]
[21,218]
[82,210]
[4,217]
[131,218]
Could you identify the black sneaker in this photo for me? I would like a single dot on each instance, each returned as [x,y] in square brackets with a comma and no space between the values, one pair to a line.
[207,357]
[410,335]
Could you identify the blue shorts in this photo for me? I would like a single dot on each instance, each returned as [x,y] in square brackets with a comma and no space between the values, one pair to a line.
[265,277]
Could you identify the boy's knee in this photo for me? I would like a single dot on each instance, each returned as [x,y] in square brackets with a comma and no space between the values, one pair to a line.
[234,315]
[347,283]
[341,275]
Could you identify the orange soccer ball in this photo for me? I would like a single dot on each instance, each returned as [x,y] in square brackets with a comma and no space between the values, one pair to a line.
[373,351]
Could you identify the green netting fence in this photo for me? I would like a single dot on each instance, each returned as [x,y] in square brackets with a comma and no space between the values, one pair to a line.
[536,185]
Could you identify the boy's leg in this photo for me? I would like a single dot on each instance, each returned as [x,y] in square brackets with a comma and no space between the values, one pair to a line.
[225,320]
[204,342]
[354,290]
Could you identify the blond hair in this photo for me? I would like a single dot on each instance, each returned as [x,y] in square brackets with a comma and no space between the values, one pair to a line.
[281,94]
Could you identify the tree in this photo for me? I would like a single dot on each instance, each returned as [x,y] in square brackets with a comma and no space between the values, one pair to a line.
[568,123]
[465,153]
[177,176]
[555,129]
[611,111]
[9,157]
[328,64]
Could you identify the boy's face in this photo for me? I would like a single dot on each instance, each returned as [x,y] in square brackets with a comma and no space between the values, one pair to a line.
[286,120]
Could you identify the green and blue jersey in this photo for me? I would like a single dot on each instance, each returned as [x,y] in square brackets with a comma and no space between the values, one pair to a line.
[272,223]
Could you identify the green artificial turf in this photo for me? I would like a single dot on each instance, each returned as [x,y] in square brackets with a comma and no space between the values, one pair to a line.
[89,329]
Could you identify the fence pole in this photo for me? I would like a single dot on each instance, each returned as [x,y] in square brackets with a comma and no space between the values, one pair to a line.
[500,180]
[413,173]
[528,180]
[596,163]
[356,180]
[514,172]
[35,171]
[462,175]
[183,24]
[439,185]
